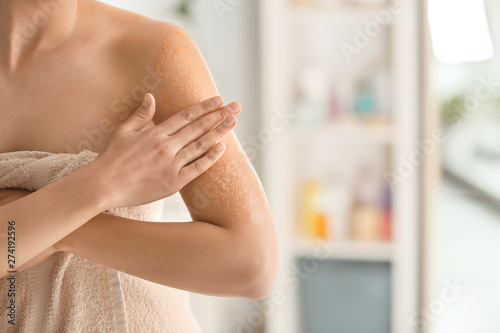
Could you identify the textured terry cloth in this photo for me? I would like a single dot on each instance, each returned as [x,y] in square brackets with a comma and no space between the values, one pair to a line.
[68,293]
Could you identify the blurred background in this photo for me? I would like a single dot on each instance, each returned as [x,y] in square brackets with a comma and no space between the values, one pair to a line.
[375,128]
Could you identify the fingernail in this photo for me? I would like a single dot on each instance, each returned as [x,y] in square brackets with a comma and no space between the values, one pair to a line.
[229,121]
[146,101]
[233,108]
[219,146]
[216,101]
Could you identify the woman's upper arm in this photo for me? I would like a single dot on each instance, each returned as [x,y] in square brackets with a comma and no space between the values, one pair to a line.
[229,193]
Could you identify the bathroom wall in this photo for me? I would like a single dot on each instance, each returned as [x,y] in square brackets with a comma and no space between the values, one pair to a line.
[466,229]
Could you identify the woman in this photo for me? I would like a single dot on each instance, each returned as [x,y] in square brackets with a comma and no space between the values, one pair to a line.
[73,83]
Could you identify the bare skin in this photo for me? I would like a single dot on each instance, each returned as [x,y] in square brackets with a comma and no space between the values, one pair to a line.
[229,249]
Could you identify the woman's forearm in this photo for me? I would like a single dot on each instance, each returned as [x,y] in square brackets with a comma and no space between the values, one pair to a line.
[194,256]
[40,219]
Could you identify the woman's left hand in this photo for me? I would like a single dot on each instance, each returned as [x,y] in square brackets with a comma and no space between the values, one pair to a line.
[10,195]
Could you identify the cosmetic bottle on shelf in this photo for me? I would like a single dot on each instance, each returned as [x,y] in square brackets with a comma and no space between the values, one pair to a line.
[382,93]
[386,233]
[309,203]
[336,203]
[321,227]
[365,101]
[341,99]
[367,215]
[312,96]
[366,222]
[314,221]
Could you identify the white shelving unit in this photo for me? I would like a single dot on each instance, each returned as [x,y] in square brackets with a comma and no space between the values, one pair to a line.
[349,251]
[401,138]
[335,133]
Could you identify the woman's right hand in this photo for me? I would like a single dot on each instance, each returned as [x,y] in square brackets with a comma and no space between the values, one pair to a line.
[140,165]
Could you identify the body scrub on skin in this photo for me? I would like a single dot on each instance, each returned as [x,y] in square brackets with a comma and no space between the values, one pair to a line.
[173,61]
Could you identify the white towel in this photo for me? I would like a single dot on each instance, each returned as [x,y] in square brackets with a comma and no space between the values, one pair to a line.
[67,293]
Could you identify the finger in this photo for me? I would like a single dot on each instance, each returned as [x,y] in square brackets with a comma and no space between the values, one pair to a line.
[141,117]
[175,123]
[203,125]
[197,148]
[196,168]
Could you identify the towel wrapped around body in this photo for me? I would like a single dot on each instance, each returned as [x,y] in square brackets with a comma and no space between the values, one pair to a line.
[68,293]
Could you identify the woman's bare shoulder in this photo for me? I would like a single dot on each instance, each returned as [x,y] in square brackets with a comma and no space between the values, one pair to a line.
[167,50]
[163,55]
[135,38]
[145,42]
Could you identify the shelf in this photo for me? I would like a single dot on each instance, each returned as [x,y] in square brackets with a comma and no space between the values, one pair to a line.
[342,133]
[355,251]
[297,37]
[336,8]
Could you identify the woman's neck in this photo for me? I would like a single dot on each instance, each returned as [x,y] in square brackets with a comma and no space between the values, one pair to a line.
[29,27]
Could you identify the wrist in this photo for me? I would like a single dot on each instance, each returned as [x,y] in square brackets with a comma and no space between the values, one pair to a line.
[76,241]
[97,186]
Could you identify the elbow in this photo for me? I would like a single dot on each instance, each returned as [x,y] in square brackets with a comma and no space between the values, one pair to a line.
[260,273]
[258,288]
